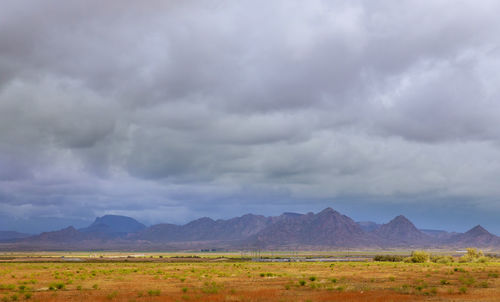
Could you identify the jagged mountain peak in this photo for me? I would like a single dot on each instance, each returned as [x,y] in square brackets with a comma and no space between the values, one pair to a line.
[326,228]
[478,230]
[400,222]
[401,218]
[329,211]
[401,229]
[477,236]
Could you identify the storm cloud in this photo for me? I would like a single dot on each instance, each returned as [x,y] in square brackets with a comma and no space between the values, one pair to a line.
[172,110]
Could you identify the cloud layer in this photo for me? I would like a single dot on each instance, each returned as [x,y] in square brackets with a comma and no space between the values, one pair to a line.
[170,110]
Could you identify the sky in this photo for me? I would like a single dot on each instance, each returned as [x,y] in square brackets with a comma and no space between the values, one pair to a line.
[167,111]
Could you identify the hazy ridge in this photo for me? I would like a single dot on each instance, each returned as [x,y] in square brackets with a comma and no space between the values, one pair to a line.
[326,229]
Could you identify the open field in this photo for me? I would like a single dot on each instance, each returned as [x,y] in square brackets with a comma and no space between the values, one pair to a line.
[226,277]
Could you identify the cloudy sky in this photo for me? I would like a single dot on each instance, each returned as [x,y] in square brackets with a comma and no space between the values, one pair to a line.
[167,111]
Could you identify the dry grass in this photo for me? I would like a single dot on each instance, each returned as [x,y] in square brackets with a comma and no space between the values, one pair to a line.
[246,281]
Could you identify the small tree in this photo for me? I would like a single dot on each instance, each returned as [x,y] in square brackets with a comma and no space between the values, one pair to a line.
[473,255]
[420,257]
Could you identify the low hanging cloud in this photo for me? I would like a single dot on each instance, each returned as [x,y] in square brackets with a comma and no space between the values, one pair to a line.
[171,110]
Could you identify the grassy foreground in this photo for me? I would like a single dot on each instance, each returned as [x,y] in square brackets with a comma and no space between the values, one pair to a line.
[249,281]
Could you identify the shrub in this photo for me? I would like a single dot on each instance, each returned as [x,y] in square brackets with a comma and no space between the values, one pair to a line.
[112,295]
[473,255]
[442,259]
[55,286]
[483,259]
[469,281]
[312,278]
[210,288]
[483,284]
[388,258]
[153,292]
[302,282]
[420,257]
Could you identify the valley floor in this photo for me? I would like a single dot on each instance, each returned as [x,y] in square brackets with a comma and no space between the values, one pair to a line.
[248,281]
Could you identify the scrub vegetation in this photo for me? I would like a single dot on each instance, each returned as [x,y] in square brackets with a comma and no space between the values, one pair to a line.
[230,280]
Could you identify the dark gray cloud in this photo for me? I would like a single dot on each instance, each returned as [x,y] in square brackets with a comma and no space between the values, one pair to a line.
[170,110]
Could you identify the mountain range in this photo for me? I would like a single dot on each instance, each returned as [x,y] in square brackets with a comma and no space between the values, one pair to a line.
[323,230]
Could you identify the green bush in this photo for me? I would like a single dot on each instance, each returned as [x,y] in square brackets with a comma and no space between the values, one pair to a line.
[54,286]
[420,257]
[442,259]
[483,259]
[153,292]
[473,255]
[388,258]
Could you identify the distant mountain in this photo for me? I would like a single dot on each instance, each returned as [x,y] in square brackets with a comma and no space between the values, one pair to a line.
[205,228]
[326,228]
[11,235]
[67,235]
[368,226]
[401,231]
[475,237]
[110,226]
